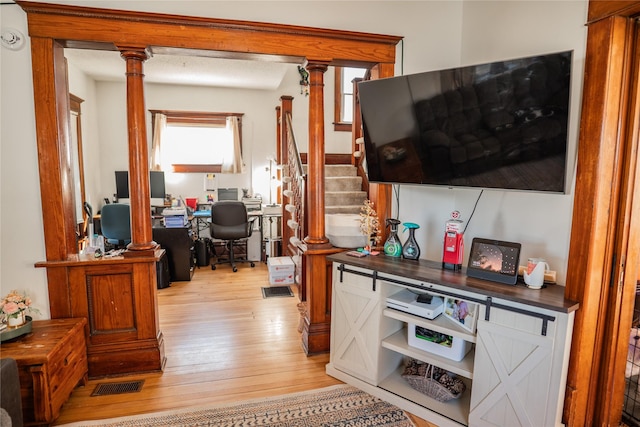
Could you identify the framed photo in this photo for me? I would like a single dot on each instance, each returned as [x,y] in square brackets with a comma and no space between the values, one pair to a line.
[462,312]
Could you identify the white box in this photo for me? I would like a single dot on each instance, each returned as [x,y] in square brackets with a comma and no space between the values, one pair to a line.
[281,279]
[406,301]
[281,270]
[454,349]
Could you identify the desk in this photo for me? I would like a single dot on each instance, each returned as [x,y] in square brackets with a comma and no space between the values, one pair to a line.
[202,218]
[179,245]
[272,232]
[52,360]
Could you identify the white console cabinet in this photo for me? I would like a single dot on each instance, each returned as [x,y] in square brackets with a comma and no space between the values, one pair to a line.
[515,374]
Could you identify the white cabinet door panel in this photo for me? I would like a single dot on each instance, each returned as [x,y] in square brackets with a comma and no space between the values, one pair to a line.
[358,327]
[511,378]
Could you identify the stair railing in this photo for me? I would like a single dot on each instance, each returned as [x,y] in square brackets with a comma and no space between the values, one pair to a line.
[295,214]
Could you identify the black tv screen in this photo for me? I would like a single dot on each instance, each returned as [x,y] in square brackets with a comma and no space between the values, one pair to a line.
[500,125]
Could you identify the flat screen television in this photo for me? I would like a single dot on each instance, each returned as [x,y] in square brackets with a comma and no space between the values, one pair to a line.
[500,125]
[156,187]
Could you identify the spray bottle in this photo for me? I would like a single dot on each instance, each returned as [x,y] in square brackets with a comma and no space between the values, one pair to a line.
[410,249]
[393,247]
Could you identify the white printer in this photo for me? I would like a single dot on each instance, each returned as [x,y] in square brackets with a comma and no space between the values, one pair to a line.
[175,217]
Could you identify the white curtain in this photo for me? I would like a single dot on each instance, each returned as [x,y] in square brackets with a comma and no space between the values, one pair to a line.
[233,163]
[159,125]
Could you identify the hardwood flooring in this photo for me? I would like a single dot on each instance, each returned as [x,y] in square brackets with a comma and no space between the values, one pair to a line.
[224,343]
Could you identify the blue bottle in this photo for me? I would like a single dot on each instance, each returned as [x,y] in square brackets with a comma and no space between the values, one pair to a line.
[410,249]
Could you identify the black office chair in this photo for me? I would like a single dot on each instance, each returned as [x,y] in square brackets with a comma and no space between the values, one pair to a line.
[115,221]
[230,222]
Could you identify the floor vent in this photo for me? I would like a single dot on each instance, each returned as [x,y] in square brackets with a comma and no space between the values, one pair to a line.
[106,389]
[276,291]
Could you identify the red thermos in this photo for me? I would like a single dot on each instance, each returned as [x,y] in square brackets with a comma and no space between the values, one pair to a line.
[453,243]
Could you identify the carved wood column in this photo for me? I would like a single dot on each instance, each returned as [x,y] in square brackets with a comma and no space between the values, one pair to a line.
[279,143]
[603,246]
[285,108]
[317,272]
[315,161]
[139,193]
[52,131]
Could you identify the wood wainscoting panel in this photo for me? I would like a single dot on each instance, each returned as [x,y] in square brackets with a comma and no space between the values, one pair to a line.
[110,294]
[118,297]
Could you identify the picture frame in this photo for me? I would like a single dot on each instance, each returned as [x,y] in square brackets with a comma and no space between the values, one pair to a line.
[461,312]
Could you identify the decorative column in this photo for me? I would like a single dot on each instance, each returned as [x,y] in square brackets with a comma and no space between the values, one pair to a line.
[285,108]
[316,309]
[141,234]
[315,160]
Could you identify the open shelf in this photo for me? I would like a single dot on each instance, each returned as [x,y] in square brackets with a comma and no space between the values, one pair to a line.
[398,342]
[455,409]
[439,324]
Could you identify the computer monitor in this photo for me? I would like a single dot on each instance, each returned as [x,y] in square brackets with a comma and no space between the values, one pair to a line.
[228,194]
[122,185]
[156,187]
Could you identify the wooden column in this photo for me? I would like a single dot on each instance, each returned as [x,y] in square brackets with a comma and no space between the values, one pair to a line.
[356,123]
[285,108]
[279,139]
[603,254]
[317,315]
[141,233]
[315,161]
[52,132]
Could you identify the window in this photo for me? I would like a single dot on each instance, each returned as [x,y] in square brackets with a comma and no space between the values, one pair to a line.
[343,113]
[194,141]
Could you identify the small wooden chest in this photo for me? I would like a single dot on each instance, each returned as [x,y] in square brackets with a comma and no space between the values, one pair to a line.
[52,361]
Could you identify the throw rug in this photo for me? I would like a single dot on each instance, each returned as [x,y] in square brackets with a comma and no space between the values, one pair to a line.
[340,405]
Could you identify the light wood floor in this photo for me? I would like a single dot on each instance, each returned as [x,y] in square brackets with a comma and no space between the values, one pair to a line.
[223,342]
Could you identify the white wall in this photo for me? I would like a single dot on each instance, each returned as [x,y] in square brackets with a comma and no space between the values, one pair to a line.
[258,131]
[104,122]
[541,222]
[21,241]
[437,34]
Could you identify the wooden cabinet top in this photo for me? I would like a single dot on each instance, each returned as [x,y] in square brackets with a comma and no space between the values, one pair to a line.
[84,260]
[36,347]
[550,297]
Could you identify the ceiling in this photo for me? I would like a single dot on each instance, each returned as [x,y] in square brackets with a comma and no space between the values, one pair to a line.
[104,65]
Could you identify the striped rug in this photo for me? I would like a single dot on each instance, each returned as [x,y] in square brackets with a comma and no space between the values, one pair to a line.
[340,405]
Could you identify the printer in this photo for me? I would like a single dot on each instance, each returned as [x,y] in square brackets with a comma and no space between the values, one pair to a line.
[253,204]
[175,217]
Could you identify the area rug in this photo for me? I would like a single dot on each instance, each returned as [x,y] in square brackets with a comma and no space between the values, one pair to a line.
[340,405]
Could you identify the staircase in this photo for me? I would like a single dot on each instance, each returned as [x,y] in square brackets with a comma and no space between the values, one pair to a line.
[343,190]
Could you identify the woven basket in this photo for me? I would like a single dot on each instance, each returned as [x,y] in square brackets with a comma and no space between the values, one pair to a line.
[426,384]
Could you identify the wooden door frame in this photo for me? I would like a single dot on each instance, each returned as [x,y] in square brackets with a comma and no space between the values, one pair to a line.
[54,27]
[604,251]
